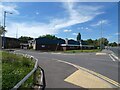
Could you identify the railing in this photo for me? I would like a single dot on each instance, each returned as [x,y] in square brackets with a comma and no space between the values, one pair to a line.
[38,83]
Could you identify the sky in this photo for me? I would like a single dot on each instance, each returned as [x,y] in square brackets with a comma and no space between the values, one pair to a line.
[62,19]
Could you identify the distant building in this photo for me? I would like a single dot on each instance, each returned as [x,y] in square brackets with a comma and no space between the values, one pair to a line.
[46,44]
[24,45]
[58,44]
[76,45]
[10,43]
[43,43]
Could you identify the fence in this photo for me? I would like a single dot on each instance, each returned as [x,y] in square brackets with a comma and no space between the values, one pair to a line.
[38,83]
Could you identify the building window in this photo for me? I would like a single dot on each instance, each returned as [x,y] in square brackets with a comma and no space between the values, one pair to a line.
[43,46]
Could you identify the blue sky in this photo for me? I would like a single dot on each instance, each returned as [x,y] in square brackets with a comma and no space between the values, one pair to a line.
[62,19]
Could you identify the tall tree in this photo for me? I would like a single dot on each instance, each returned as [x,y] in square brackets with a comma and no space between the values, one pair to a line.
[79,37]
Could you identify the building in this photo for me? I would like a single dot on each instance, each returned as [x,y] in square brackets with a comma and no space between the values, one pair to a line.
[24,45]
[58,44]
[76,45]
[46,44]
[10,43]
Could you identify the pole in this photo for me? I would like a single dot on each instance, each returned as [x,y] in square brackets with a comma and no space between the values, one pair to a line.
[101,37]
[4,29]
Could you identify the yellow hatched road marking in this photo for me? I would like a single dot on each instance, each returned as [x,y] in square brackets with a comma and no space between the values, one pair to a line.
[93,73]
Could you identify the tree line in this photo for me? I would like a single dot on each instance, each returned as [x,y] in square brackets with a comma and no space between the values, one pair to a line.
[96,42]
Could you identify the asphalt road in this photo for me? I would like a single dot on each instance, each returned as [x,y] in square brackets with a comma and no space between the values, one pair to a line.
[56,72]
[116,50]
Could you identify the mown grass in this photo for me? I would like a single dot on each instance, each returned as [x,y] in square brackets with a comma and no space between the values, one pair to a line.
[79,51]
[14,69]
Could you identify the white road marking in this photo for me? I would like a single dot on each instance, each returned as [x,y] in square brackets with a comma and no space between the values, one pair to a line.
[115,57]
[55,53]
[113,54]
[111,57]
[92,72]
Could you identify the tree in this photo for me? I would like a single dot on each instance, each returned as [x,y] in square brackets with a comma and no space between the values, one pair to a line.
[90,41]
[53,37]
[103,41]
[24,39]
[113,44]
[2,30]
[79,37]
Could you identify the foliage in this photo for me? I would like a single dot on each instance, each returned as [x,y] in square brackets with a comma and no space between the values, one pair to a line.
[14,68]
[78,51]
[113,44]
[90,41]
[24,39]
[2,30]
[104,41]
[78,37]
[96,42]
[53,37]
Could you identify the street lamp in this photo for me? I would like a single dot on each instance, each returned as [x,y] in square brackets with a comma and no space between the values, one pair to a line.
[101,38]
[5,12]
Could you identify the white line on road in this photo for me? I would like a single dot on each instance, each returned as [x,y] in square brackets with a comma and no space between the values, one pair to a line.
[91,72]
[111,57]
[115,57]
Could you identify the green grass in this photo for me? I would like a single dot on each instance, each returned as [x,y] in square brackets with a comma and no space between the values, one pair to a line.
[14,69]
[79,51]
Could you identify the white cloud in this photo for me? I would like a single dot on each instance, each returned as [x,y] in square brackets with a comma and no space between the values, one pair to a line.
[86,28]
[79,14]
[75,34]
[11,8]
[67,30]
[26,29]
[37,13]
[100,22]
[76,14]
[118,33]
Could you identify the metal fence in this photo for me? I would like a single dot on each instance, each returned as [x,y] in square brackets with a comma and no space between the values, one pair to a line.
[39,83]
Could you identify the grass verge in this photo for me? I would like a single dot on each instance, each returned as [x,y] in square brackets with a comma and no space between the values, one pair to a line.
[14,69]
[79,51]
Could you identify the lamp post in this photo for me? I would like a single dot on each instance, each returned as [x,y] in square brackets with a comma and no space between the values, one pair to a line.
[101,46]
[5,12]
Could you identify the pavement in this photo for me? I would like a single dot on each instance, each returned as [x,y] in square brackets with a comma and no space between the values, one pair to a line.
[70,70]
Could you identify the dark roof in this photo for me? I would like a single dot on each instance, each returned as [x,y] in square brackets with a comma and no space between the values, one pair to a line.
[44,40]
[10,38]
[73,42]
[84,42]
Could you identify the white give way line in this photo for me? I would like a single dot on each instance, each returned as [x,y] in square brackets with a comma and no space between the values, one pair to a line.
[111,57]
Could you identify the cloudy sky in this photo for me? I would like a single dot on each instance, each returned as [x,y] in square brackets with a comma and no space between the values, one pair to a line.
[62,19]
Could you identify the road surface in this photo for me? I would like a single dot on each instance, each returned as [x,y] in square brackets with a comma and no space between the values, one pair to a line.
[56,72]
[116,51]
